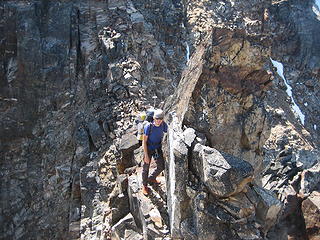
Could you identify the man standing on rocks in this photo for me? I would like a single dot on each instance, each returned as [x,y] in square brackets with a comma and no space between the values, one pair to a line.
[152,147]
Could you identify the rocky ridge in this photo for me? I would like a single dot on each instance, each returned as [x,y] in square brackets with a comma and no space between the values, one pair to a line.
[91,68]
[66,104]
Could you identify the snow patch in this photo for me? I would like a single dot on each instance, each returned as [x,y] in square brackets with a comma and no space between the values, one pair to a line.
[188,51]
[295,107]
[315,127]
[187,45]
[306,104]
[317,2]
[316,8]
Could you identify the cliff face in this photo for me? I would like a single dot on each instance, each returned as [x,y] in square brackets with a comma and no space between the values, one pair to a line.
[246,104]
[73,74]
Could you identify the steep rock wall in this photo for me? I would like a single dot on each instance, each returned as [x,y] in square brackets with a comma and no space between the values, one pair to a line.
[72,76]
[235,97]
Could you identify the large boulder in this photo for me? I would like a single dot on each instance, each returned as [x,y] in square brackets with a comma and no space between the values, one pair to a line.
[126,229]
[306,158]
[268,207]
[97,134]
[127,145]
[177,177]
[222,173]
[119,199]
[310,180]
[311,212]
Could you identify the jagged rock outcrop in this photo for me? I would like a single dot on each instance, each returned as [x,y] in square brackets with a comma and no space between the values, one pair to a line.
[223,206]
[231,93]
[311,211]
[74,73]
[223,174]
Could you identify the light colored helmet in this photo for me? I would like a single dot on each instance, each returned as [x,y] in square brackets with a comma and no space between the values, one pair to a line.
[158,114]
[142,116]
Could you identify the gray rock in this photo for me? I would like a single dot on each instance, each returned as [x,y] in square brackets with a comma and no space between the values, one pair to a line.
[311,212]
[177,177]
[120,92]
[137,20]
[119,207]
[97,134]
[132,235]
[222,173]
[268,208]
[82,145]
[189,136]
[120,228]
[89,185]
[127,146]
[239,206]
[128,143]
[209,227]
[135,204]
[310,180]
[306,158]
[138,156]
[148,212]
[188,230]
[114,4]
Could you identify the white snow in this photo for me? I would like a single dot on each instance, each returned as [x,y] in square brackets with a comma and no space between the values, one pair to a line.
[315,127]
[295,107]
[188,51]
[316,8]
[187,45]
[306,104]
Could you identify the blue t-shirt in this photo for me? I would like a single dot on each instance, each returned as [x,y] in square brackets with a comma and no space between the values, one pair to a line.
[155,134]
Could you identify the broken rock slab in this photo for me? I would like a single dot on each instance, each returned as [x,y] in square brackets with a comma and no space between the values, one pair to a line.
[177,169]
[306,158]
[125,229]
[148,210]
[222,173]
[97,134]
[310,180]
[119,200]
[127,145]
[268,206]
[311,213]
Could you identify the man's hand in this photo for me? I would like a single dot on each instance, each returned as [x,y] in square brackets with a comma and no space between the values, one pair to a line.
[146,159]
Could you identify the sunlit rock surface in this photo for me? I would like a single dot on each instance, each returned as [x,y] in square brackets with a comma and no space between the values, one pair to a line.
[73,75]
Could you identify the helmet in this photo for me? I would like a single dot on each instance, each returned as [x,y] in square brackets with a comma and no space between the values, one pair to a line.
[158,114]
[142,116]
[150,113]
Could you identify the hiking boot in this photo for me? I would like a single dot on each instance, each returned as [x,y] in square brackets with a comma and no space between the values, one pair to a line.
[145,190]
[154,180]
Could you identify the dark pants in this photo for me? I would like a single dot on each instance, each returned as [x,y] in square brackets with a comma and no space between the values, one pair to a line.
[157,155]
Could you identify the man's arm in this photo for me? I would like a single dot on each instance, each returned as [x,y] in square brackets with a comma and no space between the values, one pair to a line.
[145,149]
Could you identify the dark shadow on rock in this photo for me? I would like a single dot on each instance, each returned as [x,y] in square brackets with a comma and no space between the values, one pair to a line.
[160,204]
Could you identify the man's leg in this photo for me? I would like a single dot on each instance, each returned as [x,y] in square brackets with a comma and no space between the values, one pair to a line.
[145,174]
[159,166]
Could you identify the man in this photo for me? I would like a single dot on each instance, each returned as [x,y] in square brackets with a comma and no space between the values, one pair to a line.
[152,144]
